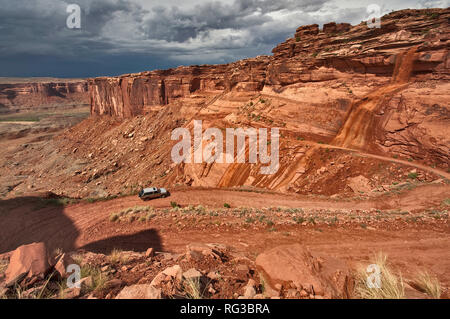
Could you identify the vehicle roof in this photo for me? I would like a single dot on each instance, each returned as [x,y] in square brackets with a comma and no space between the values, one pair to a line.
[151,189]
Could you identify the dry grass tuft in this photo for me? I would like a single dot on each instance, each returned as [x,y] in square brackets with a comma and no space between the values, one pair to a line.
[192,287]
[391,285]
[428,284]
[117,257]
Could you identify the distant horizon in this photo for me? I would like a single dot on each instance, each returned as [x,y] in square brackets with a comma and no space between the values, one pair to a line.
[113,37]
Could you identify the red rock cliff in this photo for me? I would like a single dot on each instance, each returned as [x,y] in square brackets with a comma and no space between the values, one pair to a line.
[32,95]
[312,55]
[126,95]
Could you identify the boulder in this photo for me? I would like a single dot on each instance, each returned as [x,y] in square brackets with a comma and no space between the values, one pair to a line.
[312,29]
[319,275]
[150,252]
[61,265]
[192,274]
[250,290]
[213,250]
[242,270]
[359,184]
[114,283]
[143,291]
[158,280]
[28,261]
[174,272]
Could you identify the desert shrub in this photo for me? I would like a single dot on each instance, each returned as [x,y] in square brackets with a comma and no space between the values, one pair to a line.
[98,278]
[249,220]
[391,285]
[299,220]
[428,284]
[116,256]
[192,288]
[412,175]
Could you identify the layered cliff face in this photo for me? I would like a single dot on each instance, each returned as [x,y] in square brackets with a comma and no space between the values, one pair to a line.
[22,96]
[382,94]
[127,95]
[339,51]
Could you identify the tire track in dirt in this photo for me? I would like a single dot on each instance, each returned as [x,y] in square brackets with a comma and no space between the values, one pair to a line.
[65,227]
[429,169]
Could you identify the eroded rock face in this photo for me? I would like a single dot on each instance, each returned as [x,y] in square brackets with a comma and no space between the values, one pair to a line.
[332,27]
[339,51]
[313,273]
[357,55]
[127,95]
[27,96]
[416,121]
[310,88]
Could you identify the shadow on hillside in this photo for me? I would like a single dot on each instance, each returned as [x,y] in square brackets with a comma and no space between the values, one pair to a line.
[138,242]
[25,220]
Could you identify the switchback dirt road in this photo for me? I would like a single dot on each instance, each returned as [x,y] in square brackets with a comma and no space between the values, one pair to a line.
[410,246]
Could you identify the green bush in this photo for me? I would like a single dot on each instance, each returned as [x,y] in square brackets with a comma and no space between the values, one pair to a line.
[412,175]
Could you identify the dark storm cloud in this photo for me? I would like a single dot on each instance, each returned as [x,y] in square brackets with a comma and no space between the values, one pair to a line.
[120,36]
[173,24]
[208,32]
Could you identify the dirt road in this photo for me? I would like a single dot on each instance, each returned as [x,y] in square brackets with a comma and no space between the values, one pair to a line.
[87,225]
[426,168]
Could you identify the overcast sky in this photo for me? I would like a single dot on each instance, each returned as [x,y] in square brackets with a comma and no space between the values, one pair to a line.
[125,36]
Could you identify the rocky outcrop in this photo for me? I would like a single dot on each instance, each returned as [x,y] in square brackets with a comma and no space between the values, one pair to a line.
[381,91]
[311,274]
[27,263]
[339,51]
[41,95]
[332,27]
[127,95]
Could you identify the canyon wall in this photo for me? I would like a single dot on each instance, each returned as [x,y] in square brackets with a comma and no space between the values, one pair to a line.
[127,95]
[312,55]
[24,96]
[382,91]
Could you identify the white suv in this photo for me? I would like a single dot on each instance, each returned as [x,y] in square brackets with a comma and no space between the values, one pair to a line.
[152,193]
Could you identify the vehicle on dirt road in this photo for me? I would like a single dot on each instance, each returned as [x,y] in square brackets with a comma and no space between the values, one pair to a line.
[153,192]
